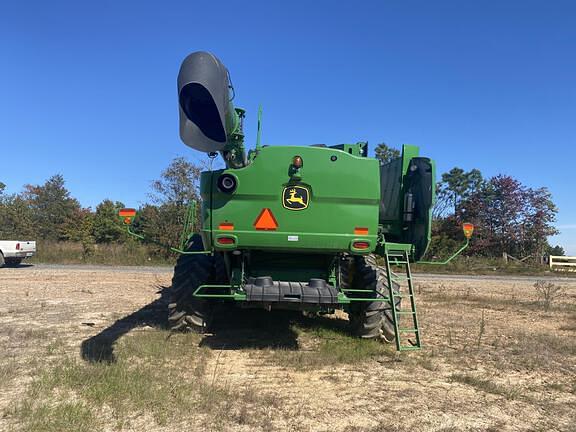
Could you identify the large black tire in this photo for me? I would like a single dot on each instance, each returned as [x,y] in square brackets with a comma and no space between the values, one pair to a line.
[186,312]
[370,320]
[12,262]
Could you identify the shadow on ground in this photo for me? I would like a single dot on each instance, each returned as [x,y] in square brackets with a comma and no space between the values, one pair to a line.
[233,328]
[100,348]
[236,328]
[21,265]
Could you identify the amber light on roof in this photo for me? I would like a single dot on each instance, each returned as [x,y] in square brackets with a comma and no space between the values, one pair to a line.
[297,161]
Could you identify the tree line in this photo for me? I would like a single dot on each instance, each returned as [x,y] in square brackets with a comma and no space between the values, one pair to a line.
[509,216]
[49,213]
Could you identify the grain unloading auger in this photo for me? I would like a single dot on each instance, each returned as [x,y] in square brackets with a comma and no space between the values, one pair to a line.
[297,227]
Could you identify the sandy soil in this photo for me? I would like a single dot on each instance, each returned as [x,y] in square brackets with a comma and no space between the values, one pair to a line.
[494,358]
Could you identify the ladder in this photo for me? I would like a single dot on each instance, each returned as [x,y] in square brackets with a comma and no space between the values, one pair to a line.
[405,319]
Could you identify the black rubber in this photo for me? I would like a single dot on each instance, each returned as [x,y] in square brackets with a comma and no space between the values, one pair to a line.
[185,312]
[369,320]
[12,262]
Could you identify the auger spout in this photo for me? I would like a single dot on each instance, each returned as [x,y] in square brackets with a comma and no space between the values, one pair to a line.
[209,122]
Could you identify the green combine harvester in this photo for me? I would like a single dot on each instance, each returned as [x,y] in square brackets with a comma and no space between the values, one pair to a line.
[296,227]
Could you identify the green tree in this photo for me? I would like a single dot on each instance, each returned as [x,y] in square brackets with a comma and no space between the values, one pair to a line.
[16,218]
[53,208]
[164,218]
[107,227]
[79,228]
[556,251]
[386,154]
[456,186]
[178,184]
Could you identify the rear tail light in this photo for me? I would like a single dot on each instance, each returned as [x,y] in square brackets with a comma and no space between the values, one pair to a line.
[361,231]
[225,240]
[361,245]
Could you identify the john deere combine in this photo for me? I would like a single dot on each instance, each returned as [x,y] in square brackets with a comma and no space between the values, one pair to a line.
[297,227]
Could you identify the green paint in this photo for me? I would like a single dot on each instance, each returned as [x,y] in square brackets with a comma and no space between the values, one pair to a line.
[343,196]
[329,208]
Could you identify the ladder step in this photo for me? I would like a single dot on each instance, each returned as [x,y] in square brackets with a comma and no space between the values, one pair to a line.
[400,278]
[409,348]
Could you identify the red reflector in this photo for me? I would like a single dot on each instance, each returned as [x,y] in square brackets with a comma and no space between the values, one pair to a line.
[360,231]
[225,240]
[127,212]
[361,245]
[226,226]
[266,221]
[17,246]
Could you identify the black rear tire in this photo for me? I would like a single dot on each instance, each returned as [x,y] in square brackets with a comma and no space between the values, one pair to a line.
[186,312]
[370,320]
[13,262]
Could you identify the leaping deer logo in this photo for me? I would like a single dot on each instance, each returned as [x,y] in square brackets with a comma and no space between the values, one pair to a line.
[295,198]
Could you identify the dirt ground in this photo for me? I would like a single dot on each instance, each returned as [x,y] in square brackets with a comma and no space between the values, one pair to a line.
[495,359]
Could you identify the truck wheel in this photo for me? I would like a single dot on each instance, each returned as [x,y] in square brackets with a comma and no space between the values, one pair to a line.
[186,312]
[13,262]
[1,260]
[371,320]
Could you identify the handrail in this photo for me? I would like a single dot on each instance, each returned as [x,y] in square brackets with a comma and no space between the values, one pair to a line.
[173,249]
[446,261]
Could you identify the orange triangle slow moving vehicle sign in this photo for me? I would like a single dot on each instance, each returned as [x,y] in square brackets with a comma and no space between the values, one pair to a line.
[266,221]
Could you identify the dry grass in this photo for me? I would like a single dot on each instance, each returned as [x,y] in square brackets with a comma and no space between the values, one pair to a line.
[477,265]
[488,385]
[326,342]
[146,380]
[548,292]
[130,253]
[95,356]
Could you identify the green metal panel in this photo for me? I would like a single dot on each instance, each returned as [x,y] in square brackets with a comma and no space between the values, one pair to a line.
[344,194]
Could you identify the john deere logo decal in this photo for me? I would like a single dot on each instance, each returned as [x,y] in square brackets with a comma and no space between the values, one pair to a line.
[295,197]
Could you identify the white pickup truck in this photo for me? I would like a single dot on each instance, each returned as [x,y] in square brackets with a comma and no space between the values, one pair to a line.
[12,252]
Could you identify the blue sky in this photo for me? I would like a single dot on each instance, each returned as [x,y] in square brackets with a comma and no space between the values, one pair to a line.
[88,89]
